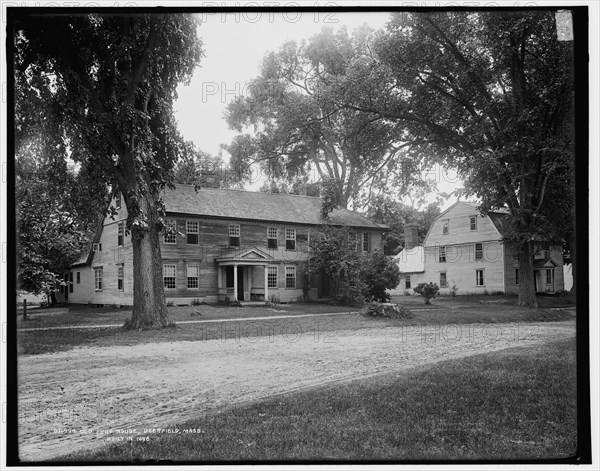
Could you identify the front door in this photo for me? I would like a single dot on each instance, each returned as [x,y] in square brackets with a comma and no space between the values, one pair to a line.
[240,283]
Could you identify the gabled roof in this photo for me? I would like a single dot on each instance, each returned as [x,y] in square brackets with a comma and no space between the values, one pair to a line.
[544,263]
[251,255]
[258,206]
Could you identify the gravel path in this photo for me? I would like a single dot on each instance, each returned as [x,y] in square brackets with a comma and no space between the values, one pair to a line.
[86,397]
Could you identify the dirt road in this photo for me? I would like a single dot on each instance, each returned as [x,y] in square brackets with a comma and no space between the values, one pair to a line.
[84,398]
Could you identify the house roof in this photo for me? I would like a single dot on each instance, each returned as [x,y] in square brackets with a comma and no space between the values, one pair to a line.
[411,260]
[544,263]
[277,207]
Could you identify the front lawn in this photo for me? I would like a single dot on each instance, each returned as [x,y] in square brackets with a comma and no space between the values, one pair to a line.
[39,340]
[517,404]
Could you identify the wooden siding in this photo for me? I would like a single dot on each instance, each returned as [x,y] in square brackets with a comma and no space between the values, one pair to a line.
[461,265]
[459,231]
[213,242]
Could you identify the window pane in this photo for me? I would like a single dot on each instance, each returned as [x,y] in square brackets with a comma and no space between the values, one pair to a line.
[442,257]
[192,276]
[192,229]
[120,230]
[290,277]
[272,277]
[446,224]
[234,230]
[443,282]
[171,238]
[366,242]
[478,251]
[473,222]
[169,276]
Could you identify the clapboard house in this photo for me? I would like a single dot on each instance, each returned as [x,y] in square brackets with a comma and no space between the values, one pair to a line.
[467,250]
[228,244]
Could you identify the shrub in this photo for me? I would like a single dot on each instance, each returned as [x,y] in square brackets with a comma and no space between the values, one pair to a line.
[378,274]
[386,310]
[196,302]
[453,290]
[427,290]
[274,299]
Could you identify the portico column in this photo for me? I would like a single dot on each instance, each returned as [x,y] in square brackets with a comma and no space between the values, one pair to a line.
[235,282]
[266,282]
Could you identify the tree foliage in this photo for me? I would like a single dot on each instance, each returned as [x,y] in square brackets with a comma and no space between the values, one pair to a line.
[296,130]
[490,93]
[385,210]
[379,273]
[110,83]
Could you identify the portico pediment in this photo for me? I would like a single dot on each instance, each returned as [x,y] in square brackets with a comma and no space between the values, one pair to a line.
[250,256]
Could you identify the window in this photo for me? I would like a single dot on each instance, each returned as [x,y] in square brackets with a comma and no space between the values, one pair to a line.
[193,275]
[98,278]
[191,230]
[546,249]
[170,236]
[70,282]
[120,271]
[120,232]
[229,281]
[366,242]
[352,241]
[272,277]
[516,276]
[97,247]
[118,200]
[442,254]
[290,277]
[407,282]
[516,260]
[445,226]
[548,277]
[78,277]
[443,280]
[290,239]
[479,278]
[473,223]
[169,274]
[479,251]
[272,234]
[234,235]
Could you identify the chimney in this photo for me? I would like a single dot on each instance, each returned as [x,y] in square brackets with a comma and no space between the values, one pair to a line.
[411,235]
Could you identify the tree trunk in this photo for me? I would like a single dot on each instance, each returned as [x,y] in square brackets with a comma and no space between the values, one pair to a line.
[149,303]
[526,277]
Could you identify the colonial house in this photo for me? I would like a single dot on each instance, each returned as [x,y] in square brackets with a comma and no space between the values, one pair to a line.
[466,251]
[227,244]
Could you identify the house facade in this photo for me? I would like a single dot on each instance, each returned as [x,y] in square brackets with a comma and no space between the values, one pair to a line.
[226,244]
[466,252]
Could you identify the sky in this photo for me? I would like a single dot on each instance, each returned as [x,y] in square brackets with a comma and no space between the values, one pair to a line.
[234,46]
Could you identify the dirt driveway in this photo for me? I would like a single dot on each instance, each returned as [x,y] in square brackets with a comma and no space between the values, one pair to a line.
[91,396]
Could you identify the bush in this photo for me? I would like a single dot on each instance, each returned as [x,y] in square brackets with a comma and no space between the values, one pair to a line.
[196,302]
[427,290]
[453,290]
[379,273]
[386,310]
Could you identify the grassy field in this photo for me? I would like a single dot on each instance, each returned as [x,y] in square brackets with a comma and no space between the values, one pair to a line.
[445,311]
[517,404]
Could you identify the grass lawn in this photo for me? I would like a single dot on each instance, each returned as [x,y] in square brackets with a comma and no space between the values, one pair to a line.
[518,403]
[40,341]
